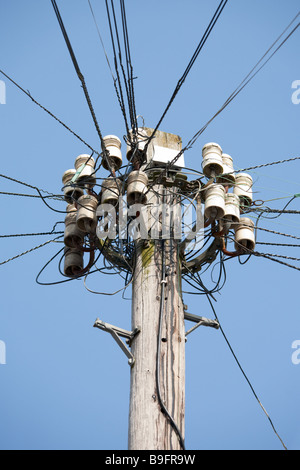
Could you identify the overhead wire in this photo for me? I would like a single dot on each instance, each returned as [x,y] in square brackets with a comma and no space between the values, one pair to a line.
[78,72]
[26,92]
[129,66]
[31,234]
[182,79]
[128,80]
[255,70]
[244,374]
[250,76]
[30,250]
[116,81]
[197,282]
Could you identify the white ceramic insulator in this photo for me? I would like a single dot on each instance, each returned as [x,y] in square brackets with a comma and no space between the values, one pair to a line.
[87,175]
[232,208]
[71,191]
[228,176]
[72,236]
[73,262]
[136,188]
[243,188]
[86,213]
[113,161]
[111,188]
[141,142]
[214,208]
[212,163]
[244,234]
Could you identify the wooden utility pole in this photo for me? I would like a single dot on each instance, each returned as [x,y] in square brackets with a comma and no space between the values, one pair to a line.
[157,393]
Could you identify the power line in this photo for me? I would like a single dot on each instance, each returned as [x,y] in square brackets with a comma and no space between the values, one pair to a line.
[245,82]
[48,112]
[78,71]
[56,197]
[39,191]
[244,374]
[31,250]
[130,77]
[278,244]
[115,80]
[272,258]
[263,165]
[277,233]
[191,63]
[238,90]
[26,184]
[120,93]
[128,80]
[101,40]
[31,234]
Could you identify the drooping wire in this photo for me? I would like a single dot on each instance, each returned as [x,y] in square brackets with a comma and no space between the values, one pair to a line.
[39,191]
[159,340]
[158,353]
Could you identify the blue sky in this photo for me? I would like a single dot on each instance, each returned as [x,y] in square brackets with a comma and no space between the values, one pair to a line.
[65,385]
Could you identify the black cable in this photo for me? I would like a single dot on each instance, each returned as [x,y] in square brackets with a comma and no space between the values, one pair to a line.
[161,310]
[47,111]
[119,91]
[270,257]
[115,80]
[278,212]
[78,71]
[242,85]
[243,372]
[191,63]
[30,250]
[58,197]
[31,234]
[129,68]
[39,191]
[236,92]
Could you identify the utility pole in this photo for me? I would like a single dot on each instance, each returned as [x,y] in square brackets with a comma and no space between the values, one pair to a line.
[157,390]
[153,254]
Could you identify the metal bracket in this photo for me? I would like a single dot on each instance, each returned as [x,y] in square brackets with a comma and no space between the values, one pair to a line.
[116,332]
[200,321]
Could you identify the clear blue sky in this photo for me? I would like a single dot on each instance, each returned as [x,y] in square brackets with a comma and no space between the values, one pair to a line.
[65,385]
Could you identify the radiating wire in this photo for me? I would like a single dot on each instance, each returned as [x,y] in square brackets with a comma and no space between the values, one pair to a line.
[49,112]
[191,63]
